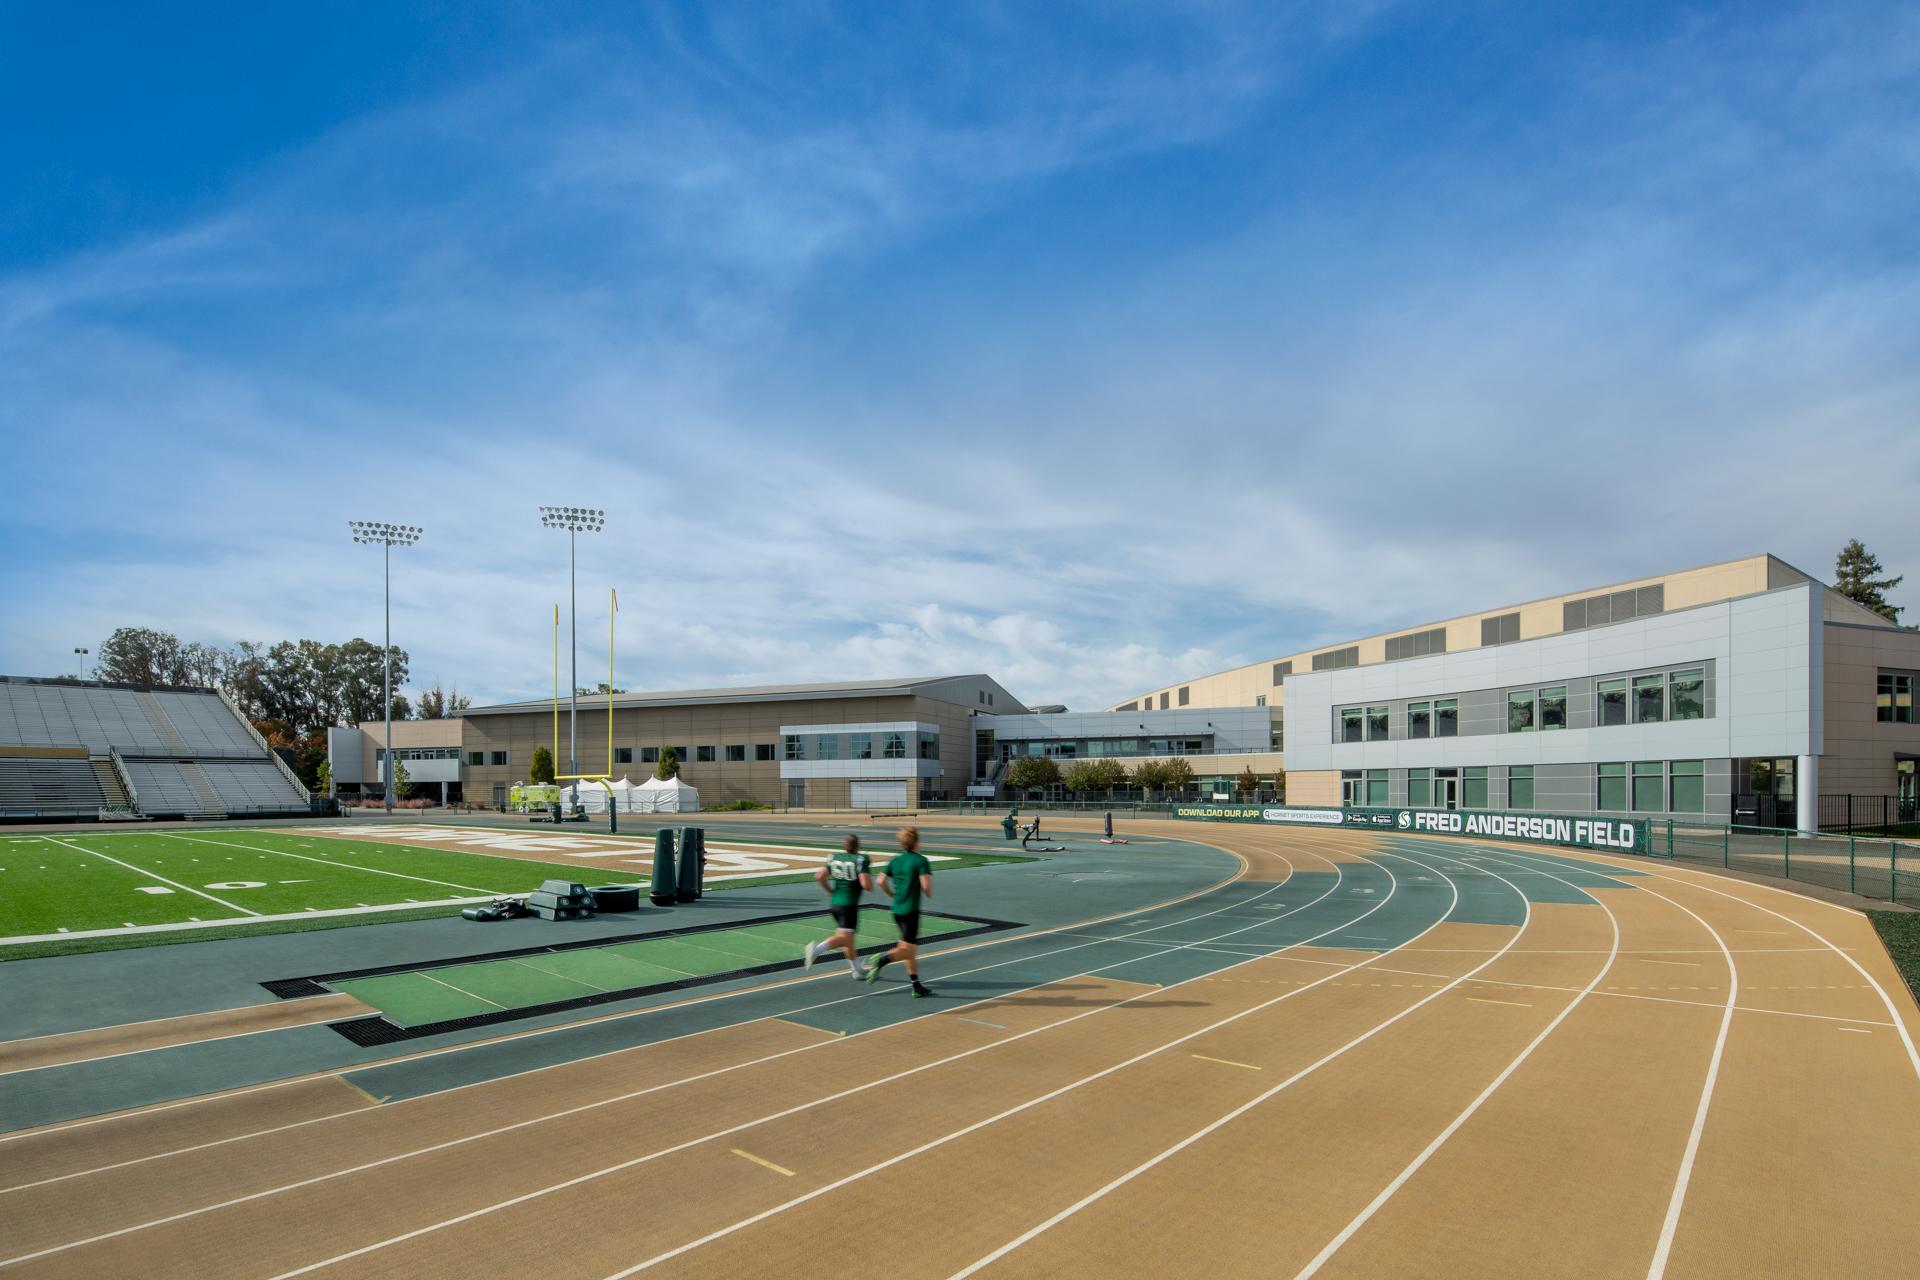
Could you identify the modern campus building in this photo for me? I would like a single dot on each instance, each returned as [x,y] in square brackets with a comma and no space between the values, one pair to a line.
[1742,690]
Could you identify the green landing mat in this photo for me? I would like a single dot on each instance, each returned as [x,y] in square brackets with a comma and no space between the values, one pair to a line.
[438,998]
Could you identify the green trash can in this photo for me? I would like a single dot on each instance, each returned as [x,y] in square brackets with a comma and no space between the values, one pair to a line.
[663,890]
[1007,827]
[689,885]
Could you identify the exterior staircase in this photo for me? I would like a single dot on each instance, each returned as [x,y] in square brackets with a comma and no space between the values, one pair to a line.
[202,789]
[157,715]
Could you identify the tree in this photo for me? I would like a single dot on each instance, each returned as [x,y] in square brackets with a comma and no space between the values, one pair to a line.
[325,775]
[402,783]
[1856,576]
[1179,774]
[1151,775]
[1248,782]
[311,767]
[402,709]
[140,655]
[202,665]
[437,703]
[1280,783]
[542,770]
[669,766]
[1082,777]
[1029,773]
[602,689]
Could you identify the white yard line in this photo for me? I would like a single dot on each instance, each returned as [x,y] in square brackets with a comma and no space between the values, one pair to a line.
[252,917]
[151,875]
[326,862]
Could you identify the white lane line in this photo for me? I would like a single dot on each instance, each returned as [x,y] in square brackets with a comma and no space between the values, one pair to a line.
[764,1214]
[1858,1031]
[1845,953]
[805,1106]
[1227,1062]
[641,1093]
[1153,1162]
[1387,1193]
[153,876]
[1515,1004]
[1691,964]
[765,1164]
[1064,930]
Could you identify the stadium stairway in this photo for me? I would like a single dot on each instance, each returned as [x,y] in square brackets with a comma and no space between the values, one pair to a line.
[203,790]
[162,725]
[111,788]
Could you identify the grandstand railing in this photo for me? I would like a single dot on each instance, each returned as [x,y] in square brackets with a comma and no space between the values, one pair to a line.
[126,778]
[299,787]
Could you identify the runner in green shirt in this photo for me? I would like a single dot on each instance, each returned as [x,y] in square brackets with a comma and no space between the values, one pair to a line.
[909,878]
[845,877]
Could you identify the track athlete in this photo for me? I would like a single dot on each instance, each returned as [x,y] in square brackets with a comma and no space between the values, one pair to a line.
[845,877]
[909,878]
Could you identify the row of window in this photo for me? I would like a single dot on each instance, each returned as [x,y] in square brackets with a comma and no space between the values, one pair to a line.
[736,754]
[1501,629]
[486,757]
[1644,699]
[1336,659]
[1072,748]
[891,744]
[1615,606]
[1895,702]
[1644,786]
[419,753]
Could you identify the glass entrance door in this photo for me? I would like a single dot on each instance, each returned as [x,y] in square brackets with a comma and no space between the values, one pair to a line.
[1446,789]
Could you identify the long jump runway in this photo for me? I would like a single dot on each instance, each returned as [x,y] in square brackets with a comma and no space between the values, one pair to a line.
[1366,1056]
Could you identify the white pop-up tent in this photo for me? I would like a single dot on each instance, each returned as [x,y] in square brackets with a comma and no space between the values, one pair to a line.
[665,795]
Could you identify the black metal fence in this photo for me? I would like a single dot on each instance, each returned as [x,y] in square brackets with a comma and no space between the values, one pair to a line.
[1877,815]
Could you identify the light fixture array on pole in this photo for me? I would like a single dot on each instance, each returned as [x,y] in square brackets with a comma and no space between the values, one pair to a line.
[388,536]
[575,520]
[83,661]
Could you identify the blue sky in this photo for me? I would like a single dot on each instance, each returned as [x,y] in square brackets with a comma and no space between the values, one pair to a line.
[1091,345]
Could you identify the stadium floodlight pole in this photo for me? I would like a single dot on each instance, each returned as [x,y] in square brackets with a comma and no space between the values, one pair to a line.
[575,520]
[388,536]
[83,661]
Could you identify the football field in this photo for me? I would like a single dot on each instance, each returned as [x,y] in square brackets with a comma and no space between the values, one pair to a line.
[90,890]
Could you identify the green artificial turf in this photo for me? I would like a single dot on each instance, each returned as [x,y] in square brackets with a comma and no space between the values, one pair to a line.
[127,880]
[447,992]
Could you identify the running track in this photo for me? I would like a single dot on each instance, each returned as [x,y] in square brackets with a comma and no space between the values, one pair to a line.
[1413,1057]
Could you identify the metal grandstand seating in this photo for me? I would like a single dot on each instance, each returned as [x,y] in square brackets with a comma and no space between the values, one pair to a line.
[122,749]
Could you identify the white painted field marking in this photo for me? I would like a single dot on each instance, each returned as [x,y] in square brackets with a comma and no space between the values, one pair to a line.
[1858,1031]
[1514,1003]
[325,862]
[231,906]
[1064,930]
[1227,1063]
[154,888]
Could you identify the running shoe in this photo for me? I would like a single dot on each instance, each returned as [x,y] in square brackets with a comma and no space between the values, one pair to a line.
[873,970]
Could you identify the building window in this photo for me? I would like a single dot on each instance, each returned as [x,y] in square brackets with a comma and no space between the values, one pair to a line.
[1352,789]
[1894,702]
[1417,645]
[930,745]
[1334,659]
[794,749]
[861,746]
[649,755]
[476,757]
[1649,699]
[1419,719]
[1419,788]
[1553,707]
[1688,787]
[623,755]
[1163,702]
[1183,695]
[1259,699]
[1520,711]
[1446,718]
[1504,629]
[1611,697]
[1376,788]
[1689,694]
[1378,720]
[737,755]
[1351,721]
[829,746]
[1647,786]
[1612,793]
[1281,670]
[1520,787]
[680,754]
[763,751]
[896,746]
[1473,787]
[498,757]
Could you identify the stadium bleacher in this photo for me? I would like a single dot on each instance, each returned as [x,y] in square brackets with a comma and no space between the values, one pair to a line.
[73,748]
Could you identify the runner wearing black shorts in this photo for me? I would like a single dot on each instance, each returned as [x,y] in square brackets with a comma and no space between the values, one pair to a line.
[909,878]
[845,877]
